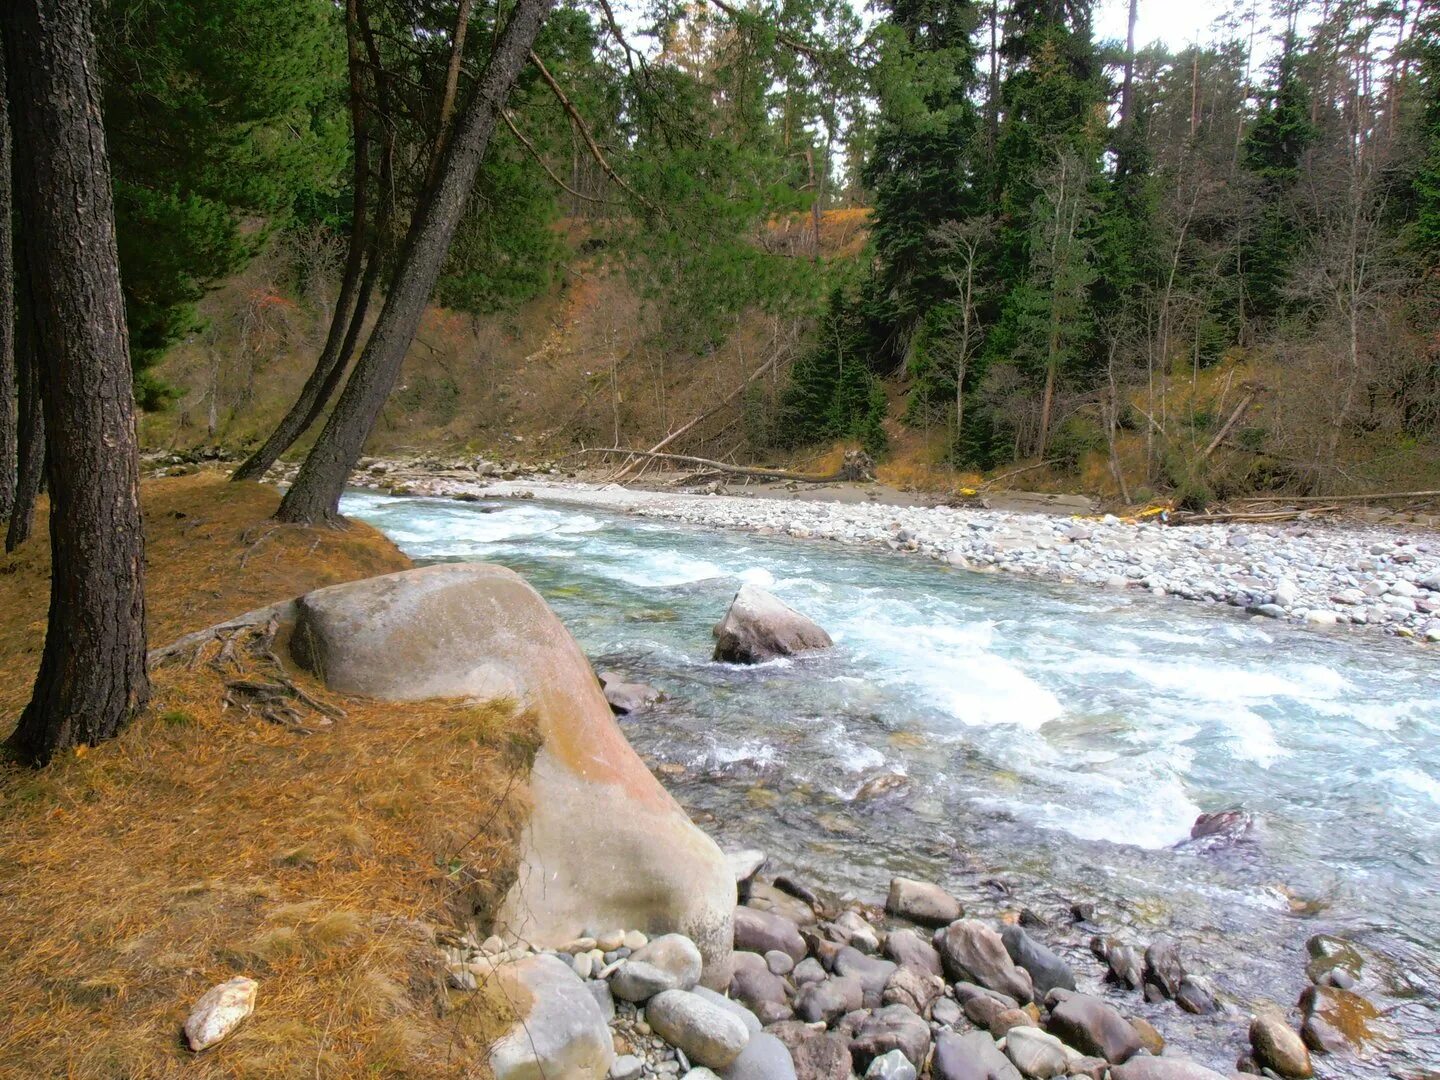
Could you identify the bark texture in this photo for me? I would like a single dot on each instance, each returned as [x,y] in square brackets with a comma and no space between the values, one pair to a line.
[30,416]
[315,495]
[92,672]
[7,312]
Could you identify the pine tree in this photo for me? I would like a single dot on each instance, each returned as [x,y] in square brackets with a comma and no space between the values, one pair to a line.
[1273,150]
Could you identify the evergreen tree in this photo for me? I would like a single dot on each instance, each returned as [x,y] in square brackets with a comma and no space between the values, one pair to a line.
[215,110]
[1273,151]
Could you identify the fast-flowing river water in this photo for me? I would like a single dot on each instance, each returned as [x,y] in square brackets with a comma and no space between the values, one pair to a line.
[1025,744]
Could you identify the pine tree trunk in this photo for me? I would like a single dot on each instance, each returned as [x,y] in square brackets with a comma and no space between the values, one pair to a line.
[92,672]
[351,303]
[30,426]
[7,313]
[315,495]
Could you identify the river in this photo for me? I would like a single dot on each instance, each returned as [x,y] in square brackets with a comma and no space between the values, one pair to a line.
[1025,744]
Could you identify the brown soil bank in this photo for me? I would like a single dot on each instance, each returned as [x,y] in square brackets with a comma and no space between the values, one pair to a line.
[207,842]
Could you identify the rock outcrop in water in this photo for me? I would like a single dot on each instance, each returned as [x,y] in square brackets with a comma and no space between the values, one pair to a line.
[758,627]
[606,844]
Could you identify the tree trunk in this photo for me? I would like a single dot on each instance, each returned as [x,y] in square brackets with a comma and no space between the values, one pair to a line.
[92,672]
[30,428]
[7,313]
[351,302]
[1127,91]
[315,495]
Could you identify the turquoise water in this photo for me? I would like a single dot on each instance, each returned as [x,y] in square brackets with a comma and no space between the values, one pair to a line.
[1000,734]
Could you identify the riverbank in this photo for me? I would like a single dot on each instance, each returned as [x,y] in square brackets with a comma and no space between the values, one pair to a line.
[234,831]
[1318,572]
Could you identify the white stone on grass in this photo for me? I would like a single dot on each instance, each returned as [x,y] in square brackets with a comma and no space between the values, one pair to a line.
[220,1011]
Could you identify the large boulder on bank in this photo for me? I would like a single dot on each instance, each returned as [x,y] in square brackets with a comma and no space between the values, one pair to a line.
[758,627]
[559,1030]
[605,845]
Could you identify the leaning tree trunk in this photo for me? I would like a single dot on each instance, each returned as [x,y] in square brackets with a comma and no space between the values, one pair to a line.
[7,314]
[315,495]
[92,671]
[350,304]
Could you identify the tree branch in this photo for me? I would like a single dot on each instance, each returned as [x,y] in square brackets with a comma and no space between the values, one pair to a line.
[579,123]
[534,153]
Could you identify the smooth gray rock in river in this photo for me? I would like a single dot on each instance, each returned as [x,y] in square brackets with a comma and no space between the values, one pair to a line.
[973,952]
[1047,971]
[760,931]
[764,1058]
[892,1028]
[758,627]
[1036,1053]
[563,1033]
[628,697]
[916,990]
[636,981]
[748,1018]
[825,1002]
[1163,1068]
[1163,967]
[970,1057]
[909,949]
[873,972]
[709,1034]
[1094,1027]
[922,902]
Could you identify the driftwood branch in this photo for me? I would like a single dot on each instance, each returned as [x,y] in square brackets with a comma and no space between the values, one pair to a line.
[849,472]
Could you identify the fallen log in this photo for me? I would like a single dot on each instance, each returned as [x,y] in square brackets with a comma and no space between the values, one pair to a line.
[624,470]
[856,467]
[1377,496]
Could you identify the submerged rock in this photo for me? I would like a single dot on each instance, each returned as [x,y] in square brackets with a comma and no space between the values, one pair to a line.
[627,697]
[1336,1021]
[758,627]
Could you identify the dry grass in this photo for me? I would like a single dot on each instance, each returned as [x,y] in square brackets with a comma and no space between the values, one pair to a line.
[205,843]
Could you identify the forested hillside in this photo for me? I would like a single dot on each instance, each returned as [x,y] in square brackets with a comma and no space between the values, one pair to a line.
[1199,272]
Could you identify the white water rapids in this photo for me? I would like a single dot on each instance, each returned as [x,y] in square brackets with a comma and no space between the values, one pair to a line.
[1058,739]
